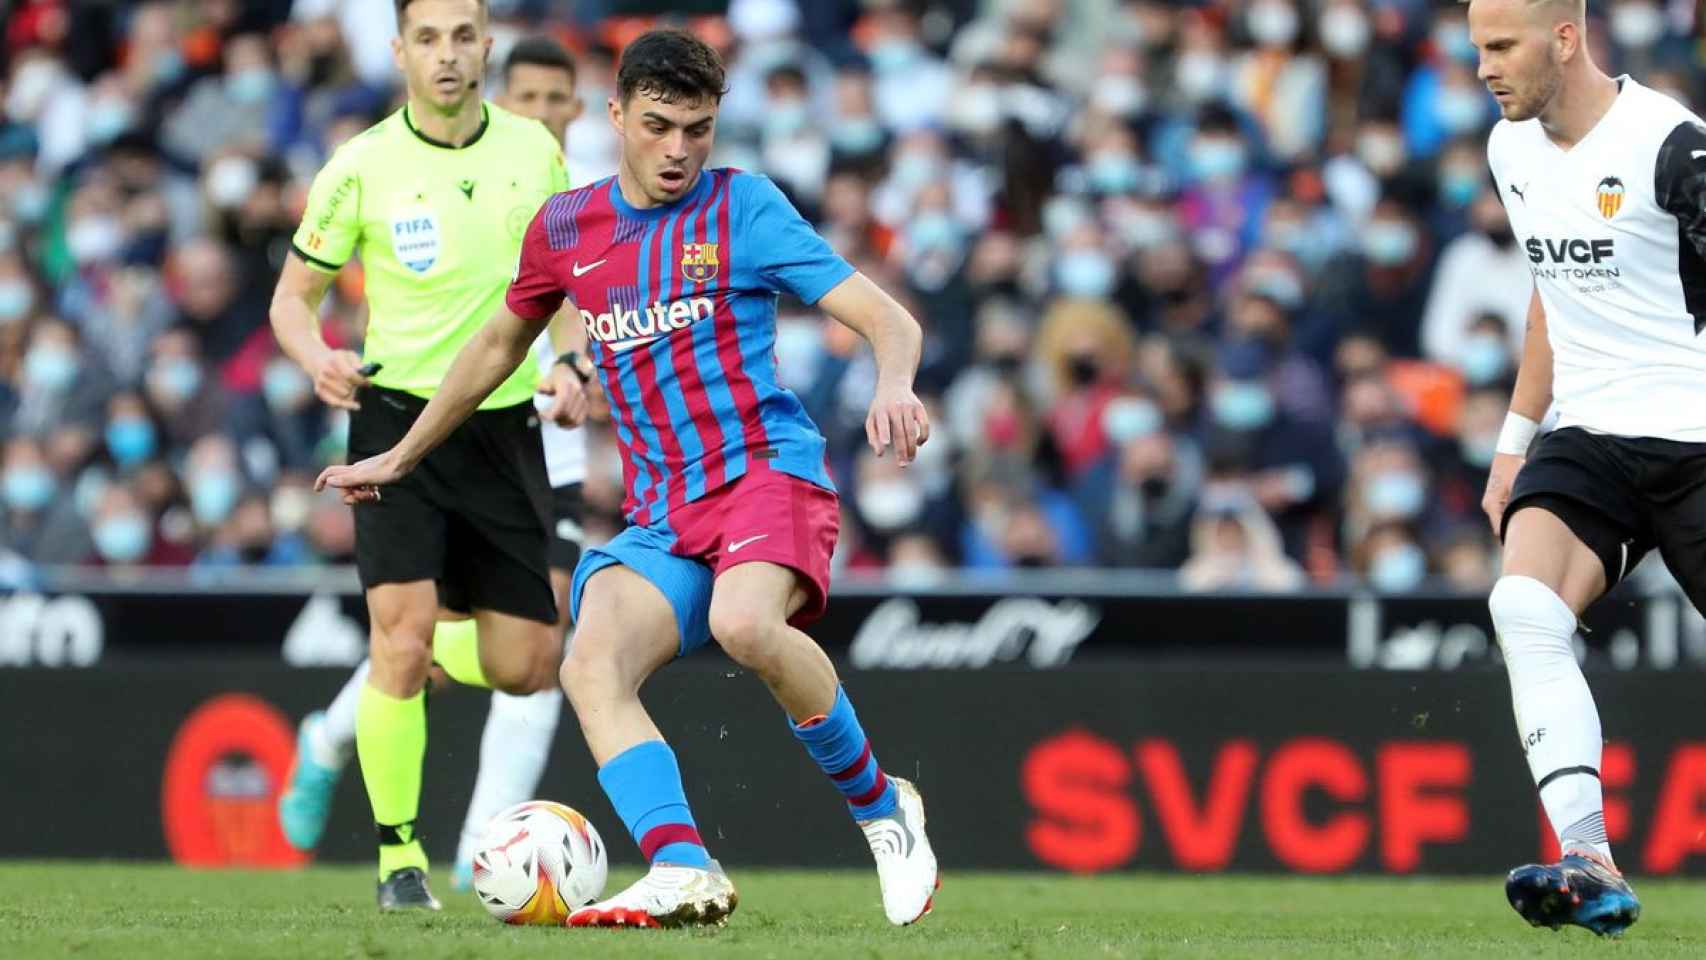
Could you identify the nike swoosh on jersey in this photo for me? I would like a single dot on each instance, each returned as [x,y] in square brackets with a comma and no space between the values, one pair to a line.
[738,544]
[581,271]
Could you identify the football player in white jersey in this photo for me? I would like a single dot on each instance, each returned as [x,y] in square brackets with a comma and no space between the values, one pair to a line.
[1605,184]
[539,82]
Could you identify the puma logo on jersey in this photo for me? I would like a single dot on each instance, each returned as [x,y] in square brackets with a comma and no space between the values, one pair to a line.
[467,188]
[1518,191]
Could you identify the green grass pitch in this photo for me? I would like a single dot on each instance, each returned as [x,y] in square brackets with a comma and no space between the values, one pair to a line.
[101,910]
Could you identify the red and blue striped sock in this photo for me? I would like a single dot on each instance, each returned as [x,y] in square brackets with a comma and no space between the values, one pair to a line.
[838,744]
[644,785]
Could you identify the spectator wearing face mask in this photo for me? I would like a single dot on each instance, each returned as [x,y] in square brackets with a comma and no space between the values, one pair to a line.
[1279,82]
[1140,497]
[1468,559]
[1482,271]
[1227,195]
[233,108]
[1390,483]
[60,383]
[1016,520]
[1448,55]
[190,403]
[131,437]
[1263,306]
[1381,287]
[1089,349]
[247,539]
[213,478]
[39,522]
[1462,466]
[1391,559]
[1234,546]
[1295,468]
[126,535]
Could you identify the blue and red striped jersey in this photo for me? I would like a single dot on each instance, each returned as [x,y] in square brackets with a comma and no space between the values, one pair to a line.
[679,304]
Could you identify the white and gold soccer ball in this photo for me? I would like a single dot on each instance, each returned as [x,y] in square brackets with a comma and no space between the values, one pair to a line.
[537,862]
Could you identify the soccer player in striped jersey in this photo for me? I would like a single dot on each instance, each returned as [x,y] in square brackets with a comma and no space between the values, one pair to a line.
[675,270]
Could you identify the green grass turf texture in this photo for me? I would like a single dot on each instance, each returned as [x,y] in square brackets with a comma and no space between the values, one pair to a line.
[100,910]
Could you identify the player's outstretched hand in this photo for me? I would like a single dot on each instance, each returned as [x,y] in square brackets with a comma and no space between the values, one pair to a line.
[360,481]
[1500,478]
[568,397]
[337,375]
[897,420]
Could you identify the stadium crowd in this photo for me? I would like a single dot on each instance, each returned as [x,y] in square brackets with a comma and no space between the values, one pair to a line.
[1219,287]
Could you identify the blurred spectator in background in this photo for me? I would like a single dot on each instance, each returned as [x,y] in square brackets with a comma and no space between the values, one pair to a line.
[40,523]
[1234,547]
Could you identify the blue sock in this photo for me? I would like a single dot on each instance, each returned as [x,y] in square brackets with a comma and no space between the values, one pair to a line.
[838,744]
[644,785]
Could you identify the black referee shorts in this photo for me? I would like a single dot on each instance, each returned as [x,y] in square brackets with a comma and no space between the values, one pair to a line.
[1623,496]
[473,516]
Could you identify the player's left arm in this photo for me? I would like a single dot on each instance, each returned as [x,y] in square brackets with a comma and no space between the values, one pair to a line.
[793,257]
[897,418]
[1680,181]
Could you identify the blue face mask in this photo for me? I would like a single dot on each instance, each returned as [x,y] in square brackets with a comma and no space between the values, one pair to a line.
[932,231]
[1484,359]
[251,86]
[1399,569]
[1085,273]
[857,137]
[27,488]
[1217,159]
[122,539]
[30,202]
[1396,494]
[130,440]
[1479,451]
[168,67]
[1389,243]
[51,368]
[785,119]
[893,55]
[179,378]
[1130,418]
[107,120]
[213,495]
[1458,187]
[1243,405]
[284,386]
[16,299]
[1460,110]
[1115,173]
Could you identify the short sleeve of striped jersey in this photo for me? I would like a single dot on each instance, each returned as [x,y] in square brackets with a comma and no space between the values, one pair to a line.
[790,256]
[535,292]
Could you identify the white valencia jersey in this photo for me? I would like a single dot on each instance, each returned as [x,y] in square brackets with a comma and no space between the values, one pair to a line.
[565,449]
[1615,230]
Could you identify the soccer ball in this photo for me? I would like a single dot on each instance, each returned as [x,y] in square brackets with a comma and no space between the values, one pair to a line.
[536,862]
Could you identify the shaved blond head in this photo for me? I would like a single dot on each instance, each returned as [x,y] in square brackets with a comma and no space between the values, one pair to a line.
[1575,11]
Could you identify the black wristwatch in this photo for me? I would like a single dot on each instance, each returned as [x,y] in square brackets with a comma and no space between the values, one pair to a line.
[572,360]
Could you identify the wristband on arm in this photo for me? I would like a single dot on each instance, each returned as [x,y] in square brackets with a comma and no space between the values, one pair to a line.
[1517,434]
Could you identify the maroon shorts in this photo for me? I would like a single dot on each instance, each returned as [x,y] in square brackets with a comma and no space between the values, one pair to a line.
[764,516]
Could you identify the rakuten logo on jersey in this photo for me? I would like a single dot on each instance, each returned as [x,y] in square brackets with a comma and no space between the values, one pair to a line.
[626,329]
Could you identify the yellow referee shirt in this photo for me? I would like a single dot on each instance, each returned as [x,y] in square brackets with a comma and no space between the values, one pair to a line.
[438,230]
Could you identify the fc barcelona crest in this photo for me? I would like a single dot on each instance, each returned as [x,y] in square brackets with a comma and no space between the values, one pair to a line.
[699,261]
[1610,197]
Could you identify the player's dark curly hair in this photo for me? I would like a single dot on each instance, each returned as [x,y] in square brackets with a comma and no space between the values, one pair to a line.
[671,65]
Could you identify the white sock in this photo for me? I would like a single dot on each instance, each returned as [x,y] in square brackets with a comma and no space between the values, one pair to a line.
[336,742]
[513,751]
[1557,722]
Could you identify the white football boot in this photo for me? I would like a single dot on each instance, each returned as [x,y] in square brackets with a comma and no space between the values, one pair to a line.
[906,866]
[667,896]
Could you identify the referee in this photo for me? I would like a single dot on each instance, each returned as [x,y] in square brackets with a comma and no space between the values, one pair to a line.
[434,200]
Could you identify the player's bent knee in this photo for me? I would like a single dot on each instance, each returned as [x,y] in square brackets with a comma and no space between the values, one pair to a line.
[589,673]
[743,633]
[402,651]
[1530,618]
